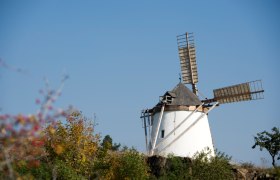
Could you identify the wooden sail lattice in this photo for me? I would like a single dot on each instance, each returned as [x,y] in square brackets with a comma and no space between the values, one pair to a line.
[187,57]
[240,92]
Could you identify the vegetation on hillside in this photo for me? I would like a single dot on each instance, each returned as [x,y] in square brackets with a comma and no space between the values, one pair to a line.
[71,149]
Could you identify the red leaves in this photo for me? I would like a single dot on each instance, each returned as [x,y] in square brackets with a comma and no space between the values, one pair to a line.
[36,127]
[21,137]
[38,143]
[33,164]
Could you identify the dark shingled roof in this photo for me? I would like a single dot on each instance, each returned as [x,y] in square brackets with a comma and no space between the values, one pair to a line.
[183,96]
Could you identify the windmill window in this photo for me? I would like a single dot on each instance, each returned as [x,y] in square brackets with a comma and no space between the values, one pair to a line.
[166,99]
[162,133]
[169,99]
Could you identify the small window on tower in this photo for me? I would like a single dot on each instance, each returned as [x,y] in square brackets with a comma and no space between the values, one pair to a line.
[162,133]
[168,99]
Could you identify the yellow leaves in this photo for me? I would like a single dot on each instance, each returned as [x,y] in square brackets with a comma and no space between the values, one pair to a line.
[58,149]
[74,142]
[51,130]
[24,177]
[21,163]
[83,158]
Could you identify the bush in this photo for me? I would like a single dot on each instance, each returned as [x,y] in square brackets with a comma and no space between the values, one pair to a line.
[63,171]
[217,167]
[177,168]
[201,166]
[129,164]
[132,166]
[106,164]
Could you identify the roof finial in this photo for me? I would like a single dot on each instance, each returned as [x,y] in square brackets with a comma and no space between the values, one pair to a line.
[180,78]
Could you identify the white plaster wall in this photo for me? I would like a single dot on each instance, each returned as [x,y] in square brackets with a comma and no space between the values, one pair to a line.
[192,136]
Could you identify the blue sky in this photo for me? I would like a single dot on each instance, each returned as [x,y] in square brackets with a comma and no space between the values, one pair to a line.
[122,55]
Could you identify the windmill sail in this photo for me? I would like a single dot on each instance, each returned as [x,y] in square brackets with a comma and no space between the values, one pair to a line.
[241,92]
[187,56]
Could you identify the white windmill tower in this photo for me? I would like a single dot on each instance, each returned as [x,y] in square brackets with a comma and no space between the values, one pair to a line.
[178,124]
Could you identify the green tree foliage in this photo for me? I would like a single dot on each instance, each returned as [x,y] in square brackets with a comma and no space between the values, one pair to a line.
[201,166]
[108,144]
[270,142]
[178,168]
[106,163]
[116,146]
[121,165]
[65,171]
[209,167]
[132,165]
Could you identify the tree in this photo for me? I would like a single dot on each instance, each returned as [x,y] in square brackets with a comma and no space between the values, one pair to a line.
[129,164]
[205,166]
[132,165]
[270,142]
[74,143]
[108,144]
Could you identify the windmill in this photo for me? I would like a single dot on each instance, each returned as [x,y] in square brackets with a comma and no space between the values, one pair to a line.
[178,123]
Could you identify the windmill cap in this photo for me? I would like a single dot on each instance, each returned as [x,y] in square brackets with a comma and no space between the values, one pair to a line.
[181,96]
[184,96]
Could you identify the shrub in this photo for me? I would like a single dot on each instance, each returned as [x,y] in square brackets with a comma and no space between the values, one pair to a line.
[33,170]
[106,164]
[132,166]
[177,168]
[62,170]
[201,166]
[129,164]
[217,167]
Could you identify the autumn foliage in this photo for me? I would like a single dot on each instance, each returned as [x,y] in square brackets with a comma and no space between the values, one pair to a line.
[59,143]
[73,142]
[21,143]
[22,137]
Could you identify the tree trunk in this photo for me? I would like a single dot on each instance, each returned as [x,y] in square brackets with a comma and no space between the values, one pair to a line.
[273,161]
